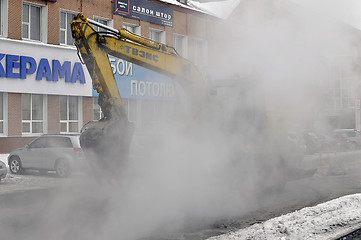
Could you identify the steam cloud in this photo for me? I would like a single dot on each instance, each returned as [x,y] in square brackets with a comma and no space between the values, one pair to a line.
[207,169]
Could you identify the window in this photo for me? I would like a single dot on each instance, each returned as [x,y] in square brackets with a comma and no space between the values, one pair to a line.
[104,21]
[148,116]
[344,92]
[65,29]
[69,114]
[1,16]
[32,26]
[98,114]
[32,106]
[132,28]
[133,111]
[132,106]
[154,114]
[200,56]
[3,113]
[180,44]
[157,35]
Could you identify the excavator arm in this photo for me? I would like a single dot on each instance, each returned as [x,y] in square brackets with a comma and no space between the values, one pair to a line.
[107,141]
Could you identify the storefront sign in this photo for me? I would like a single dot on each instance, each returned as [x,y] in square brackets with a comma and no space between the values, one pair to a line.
[138,82]
[21,66]
[145,10]
[28,67]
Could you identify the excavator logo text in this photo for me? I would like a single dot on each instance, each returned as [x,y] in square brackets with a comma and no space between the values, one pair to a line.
[141,53]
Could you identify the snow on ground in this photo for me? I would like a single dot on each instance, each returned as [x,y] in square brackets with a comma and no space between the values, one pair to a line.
[329,220]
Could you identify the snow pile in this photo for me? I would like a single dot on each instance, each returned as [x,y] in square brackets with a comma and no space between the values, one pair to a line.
[328,220]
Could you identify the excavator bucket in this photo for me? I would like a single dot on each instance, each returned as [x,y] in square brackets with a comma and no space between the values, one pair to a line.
[106,145]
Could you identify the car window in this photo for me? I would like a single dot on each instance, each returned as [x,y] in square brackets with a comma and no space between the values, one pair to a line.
[58,142]
[38,143]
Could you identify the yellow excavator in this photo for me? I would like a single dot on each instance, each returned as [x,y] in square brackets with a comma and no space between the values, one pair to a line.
[106,143]
[107,140]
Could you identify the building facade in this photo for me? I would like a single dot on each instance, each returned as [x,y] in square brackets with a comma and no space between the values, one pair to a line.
[44,88]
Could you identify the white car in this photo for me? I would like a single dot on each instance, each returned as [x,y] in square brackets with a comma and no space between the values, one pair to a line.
[3,170]
[49,152]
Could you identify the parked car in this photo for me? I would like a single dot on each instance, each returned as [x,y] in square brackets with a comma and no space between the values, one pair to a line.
[49,152]
[348,139]
[312,142]
[298,140]
[3,170]
[326,142]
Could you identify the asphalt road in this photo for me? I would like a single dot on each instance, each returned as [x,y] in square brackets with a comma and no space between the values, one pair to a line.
[46,207]
[338,174]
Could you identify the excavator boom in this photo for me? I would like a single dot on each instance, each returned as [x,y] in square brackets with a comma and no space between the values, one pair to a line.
[106,142]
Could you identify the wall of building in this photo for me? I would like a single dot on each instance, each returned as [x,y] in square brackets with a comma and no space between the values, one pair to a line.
[186,22]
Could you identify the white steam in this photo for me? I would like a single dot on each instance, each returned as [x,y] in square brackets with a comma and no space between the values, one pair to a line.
[211,169]
[298,54]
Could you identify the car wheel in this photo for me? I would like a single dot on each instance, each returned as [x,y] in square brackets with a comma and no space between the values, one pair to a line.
[62,168]
[15,165]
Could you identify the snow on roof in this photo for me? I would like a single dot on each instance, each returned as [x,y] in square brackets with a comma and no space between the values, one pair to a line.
[329,220]
[176,3]
[220,9]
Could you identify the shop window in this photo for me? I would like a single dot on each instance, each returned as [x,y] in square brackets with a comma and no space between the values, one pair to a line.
[65,29]
[157,35]
[104,21]
[132,28]
[180,44]
[151,115]
[130,105]
[200,54]
[32,107]
[70,114]
[3,17]
[32,26]
[344,93]
[97,111]
[3,113]
[132,109]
